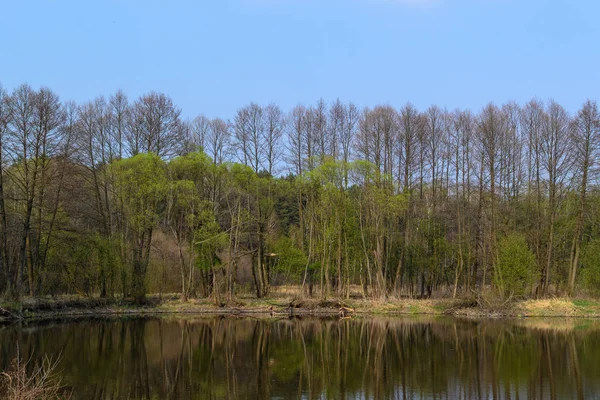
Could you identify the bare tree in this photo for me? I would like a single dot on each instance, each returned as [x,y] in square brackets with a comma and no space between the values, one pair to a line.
[217,140]
[434,130]
[511,168]
[36,117]
[309,137]
[407,149]
[5,118]
[377,137]
[460,132]
[49,118]
[491,132]
[249,130]
[348,134]
[532,121]
[156,126]
[296,145]
[22,144]
[274,127]
[335,126]
[120,114]
[94,152]
[199,131]
[586,141]
[320,131]
[60,159]
[557,163]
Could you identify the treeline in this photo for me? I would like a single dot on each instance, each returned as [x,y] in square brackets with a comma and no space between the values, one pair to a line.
[115,197]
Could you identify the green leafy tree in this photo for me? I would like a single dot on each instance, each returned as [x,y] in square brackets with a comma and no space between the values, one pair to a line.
[290,260]
[209,241]
[142,185]
[190,207]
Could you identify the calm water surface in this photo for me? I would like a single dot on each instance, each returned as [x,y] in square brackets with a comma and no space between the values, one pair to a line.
[400,358]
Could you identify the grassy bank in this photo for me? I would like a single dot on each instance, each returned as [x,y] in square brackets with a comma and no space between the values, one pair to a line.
[286,304]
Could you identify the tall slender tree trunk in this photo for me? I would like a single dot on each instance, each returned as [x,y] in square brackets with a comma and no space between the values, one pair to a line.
[4,235]
[576,245]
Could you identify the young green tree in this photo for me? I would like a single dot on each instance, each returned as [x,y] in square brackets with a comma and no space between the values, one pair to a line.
[142,186]
[190,210]
[516,266]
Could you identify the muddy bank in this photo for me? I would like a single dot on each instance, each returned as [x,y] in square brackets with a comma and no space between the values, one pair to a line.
[60,307]
[50,308]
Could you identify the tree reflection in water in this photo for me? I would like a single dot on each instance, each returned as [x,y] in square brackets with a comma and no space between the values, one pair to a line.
[401,358]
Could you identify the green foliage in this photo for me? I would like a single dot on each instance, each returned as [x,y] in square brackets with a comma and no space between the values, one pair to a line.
[515,270]
[330,174]
[142,184]
[290,259]
[242,175]
[590,271]
[363,172]
[209,239]
[193,166]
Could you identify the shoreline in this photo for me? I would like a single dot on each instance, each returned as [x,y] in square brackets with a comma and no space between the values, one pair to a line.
[74,307]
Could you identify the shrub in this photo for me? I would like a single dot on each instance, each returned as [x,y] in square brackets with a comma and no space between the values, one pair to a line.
[516,267]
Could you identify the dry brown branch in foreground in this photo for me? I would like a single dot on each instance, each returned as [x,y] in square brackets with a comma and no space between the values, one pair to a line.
[42,383]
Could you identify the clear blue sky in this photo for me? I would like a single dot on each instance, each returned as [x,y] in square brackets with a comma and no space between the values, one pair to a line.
[212,57]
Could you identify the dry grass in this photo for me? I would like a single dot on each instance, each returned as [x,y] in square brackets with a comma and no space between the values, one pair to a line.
[563,307]
[295,291]
[43,383]
[558,325]
[405,306]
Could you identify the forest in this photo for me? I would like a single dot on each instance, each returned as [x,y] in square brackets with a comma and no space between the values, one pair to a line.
[125,197]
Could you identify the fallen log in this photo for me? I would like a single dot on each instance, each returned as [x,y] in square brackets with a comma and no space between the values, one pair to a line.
[345,311]
[7,314]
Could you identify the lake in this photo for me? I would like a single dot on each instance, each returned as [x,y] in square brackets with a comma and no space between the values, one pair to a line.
[179,357]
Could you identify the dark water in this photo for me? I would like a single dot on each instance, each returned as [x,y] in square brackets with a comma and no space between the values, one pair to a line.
[402,358]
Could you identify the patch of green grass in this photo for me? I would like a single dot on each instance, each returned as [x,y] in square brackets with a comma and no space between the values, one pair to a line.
[585,303]
[439,308]
[414,309]
[10,305]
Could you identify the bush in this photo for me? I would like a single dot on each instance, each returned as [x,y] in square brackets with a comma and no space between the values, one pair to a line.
[516,267]
[290,260]
[43,383]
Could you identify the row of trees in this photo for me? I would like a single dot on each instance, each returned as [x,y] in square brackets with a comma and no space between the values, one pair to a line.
[394,201]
